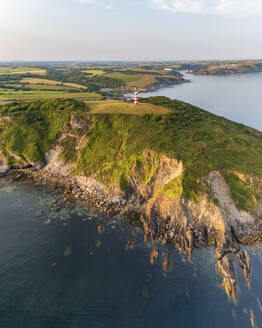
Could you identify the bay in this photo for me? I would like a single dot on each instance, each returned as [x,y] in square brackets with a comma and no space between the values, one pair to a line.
[237,97]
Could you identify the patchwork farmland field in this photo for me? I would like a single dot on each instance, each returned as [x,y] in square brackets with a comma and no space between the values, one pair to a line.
[52,82]
[21,70]
[83,82]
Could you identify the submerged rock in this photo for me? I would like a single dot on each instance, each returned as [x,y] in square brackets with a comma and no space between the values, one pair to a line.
[252,319]
[98,243]
[167,261]
[101,228]
[68,251]
[130,243]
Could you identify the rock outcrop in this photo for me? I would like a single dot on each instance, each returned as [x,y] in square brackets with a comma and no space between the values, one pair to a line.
[4,169]
[227,271]
[167,218]
[244,262]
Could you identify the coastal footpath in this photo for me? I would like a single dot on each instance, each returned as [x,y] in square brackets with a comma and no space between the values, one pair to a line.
[190,178]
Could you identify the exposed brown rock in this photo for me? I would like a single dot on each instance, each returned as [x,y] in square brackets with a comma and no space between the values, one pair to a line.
[189,243]
[252,319]
[227,271]
[130,243]
[244,262]
[101,228]
[174,221]
[154,255]
[167,261]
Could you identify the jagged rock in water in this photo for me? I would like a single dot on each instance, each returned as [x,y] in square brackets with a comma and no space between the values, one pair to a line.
[131,242]
[154,255]
[101,228]
[189,243]
[227,271]
[252,319]
[167,261]
[98,243]
[244,262]
[226,243]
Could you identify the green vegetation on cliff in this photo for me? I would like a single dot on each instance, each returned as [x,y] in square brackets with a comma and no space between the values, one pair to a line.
[119,144]
[33,133]
[241,193]
[204,142]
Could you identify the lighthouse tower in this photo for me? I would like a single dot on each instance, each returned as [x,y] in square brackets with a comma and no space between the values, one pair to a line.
[136,98]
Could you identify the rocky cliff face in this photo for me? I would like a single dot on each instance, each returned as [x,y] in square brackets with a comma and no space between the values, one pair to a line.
[166,216]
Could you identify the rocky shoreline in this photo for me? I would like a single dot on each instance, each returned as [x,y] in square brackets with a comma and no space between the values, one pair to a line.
[177,228]
[71,190]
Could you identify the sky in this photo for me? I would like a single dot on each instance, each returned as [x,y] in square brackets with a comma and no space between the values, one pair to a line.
[146,30]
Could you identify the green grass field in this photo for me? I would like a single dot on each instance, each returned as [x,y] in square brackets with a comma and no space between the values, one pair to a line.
[117,107]
[35,95]
[52,82]
[22,70]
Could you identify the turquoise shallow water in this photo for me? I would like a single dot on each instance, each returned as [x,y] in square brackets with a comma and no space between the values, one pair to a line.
[55,275]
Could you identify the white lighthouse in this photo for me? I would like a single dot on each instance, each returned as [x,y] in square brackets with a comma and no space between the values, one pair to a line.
[136,98]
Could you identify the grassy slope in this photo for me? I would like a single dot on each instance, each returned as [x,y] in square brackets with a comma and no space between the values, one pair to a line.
[204,142]
[117,107]
[118,144]
[34,133]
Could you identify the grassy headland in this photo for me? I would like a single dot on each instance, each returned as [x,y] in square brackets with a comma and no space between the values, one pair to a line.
[119,141]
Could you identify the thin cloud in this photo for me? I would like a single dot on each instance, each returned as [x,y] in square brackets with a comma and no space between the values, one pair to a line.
[222,7]
[179,6]
[103,4]
[229,7]
[86,1]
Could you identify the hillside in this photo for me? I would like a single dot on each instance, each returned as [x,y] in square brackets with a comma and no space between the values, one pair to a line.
[192,177]
[202,141]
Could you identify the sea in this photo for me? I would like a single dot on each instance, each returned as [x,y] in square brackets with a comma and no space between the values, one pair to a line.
[58,271]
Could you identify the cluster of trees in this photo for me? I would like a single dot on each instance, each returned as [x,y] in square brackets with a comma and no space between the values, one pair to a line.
[16,77]
[107,82]
[66,105]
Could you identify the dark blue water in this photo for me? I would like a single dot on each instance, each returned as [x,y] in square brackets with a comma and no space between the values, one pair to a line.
[57,274]
[236,97]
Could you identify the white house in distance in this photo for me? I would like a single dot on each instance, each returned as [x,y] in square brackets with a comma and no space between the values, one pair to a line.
[168,69]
